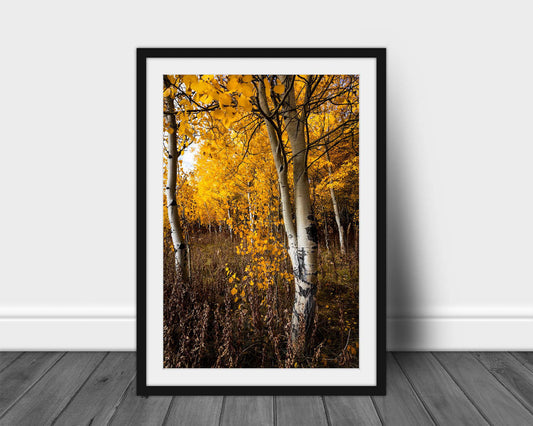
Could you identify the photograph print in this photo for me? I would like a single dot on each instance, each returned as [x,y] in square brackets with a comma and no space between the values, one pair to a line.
[260,209]
[261,230]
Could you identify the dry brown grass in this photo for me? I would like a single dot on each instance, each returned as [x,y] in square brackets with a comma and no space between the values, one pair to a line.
[205,327]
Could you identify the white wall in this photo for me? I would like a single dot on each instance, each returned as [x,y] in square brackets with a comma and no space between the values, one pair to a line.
[460,91]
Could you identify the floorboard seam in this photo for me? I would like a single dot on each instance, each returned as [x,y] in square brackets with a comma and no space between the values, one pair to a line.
[78,390]
[275,410]
[32,385]
[120,400]
[381,420]
[521,361]
[415,391]
[223,405]
[516,397]
[12,361]
[165,419]
[462,390]
[328,420]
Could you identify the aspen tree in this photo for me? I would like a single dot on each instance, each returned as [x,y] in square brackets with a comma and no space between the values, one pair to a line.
[301,233]
[178,241]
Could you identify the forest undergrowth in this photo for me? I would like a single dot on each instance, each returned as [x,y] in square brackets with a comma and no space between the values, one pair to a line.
[209,322]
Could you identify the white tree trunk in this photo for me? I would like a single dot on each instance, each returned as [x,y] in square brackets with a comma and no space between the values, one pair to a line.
[302,238]
[180,246]
[335,206]
[306,271]
[282,169]
[230,227]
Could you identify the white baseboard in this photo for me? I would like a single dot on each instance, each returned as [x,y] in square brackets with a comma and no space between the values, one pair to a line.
[403,334]
[67,334]
[460,334]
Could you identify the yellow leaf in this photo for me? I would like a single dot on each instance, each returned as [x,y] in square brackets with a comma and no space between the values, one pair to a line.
[233,291]
[200,86]
[166,93]
[244,103]
[224,99]
[233,83]
[247,90]
[218,114]
[228,119]
[279,89]
[189,79]
[206,98]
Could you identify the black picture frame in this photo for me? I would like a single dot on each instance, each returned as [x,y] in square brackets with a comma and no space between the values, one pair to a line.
[143,54]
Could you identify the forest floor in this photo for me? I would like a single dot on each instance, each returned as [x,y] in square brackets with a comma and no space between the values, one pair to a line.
[207,324]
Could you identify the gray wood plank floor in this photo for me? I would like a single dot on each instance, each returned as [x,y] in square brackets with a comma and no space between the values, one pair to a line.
[423,388]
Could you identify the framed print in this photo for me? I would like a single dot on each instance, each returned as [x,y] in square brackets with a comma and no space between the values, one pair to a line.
[261,221]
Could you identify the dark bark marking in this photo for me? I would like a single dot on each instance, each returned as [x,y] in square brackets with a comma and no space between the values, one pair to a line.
[306,292]
[173,203]
[182,246]
[312,233]
[300,268]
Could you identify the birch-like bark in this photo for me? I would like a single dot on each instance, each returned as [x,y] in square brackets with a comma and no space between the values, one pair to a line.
[302,237]
[230,227]
[180,246]
[280,161]
[335,205]
[306,271]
